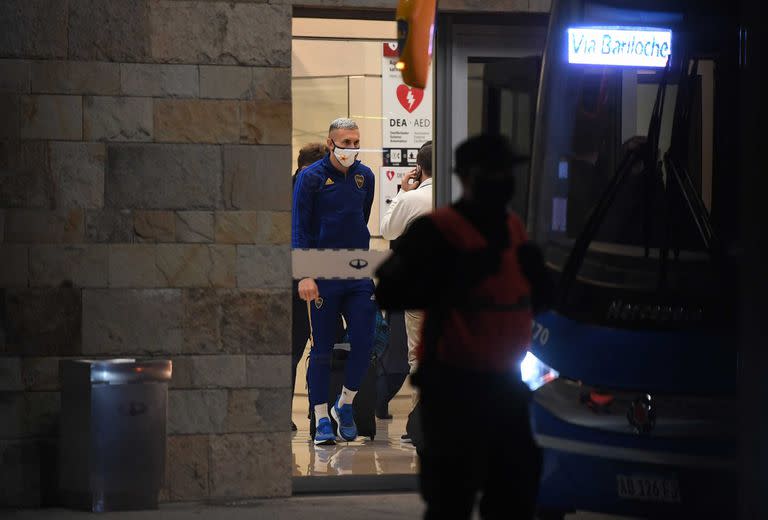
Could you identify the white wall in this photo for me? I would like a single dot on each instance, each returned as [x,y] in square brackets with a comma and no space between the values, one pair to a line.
[339,79]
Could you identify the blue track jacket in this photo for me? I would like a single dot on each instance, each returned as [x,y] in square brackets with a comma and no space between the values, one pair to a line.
[331,209]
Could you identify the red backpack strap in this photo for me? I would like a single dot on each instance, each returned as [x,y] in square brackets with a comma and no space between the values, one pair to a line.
[517,232]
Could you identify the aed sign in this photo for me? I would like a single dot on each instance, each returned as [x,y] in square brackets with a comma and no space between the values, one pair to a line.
[620,46]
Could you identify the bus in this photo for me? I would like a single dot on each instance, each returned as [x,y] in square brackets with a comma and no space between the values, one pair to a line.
[633,196]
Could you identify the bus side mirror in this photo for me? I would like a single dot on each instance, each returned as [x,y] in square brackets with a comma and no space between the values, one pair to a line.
[415,34]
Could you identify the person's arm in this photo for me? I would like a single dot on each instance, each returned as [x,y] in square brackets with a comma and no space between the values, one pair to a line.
[414,277]
[302,212]
[369,196]
[534,269]
[395,219]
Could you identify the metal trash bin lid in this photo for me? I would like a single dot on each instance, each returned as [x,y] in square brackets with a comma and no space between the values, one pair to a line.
[126,370]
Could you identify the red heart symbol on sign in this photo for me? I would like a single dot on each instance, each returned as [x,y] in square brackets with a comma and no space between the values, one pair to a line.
[390,174]
[409,97]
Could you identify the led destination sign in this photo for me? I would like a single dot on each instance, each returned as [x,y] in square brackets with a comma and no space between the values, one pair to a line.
[621,46]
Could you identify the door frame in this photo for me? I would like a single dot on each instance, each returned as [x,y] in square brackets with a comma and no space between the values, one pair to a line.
[457,39]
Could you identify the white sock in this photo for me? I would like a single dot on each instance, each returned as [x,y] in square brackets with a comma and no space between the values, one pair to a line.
[347,396]
[321,410]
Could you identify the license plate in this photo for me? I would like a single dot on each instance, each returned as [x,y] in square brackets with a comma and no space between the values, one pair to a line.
[653,489]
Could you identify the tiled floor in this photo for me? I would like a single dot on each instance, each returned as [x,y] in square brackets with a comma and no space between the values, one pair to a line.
[386,455]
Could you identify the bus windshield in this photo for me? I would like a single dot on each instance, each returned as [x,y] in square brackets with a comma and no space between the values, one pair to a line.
[596,116]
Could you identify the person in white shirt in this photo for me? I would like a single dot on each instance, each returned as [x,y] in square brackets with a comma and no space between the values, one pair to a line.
[412,201]
[414,198]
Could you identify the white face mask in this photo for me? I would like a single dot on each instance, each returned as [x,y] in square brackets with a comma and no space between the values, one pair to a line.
[346,156]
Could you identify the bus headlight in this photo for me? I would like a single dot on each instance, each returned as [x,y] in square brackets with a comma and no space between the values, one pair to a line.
[535,373]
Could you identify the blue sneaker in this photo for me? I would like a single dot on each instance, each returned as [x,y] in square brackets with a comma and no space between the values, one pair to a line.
[345,421]
[324,435]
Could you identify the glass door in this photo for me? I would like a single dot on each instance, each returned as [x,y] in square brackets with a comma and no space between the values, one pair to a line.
[487,82]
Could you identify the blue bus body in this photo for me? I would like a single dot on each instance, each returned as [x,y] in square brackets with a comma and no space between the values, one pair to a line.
[633,186]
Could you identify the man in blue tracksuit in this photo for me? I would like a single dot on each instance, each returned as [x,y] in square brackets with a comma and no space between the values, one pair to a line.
[331,205]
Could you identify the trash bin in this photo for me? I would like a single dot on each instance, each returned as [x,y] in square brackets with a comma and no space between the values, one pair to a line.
[112,445]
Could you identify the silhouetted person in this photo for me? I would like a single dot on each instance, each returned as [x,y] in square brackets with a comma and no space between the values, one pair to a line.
[484,283]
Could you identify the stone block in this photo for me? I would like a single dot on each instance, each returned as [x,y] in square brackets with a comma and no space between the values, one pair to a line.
[265,122]
[75,77]
[516,6]
[33,28]
[42,410]
[209,372]
[26,180]
[152,176]
[109,225]
[118,119]
[256,321]
[221,33]
[197,121]
[271,84]
[10,107]
[196,265]
[12,410]
[268,371]
[196,411]
[52,117]
[133,322]
[14,260]
[252,465]
[274,227]
[263,267]
[79,169]
[187,467]
[226,82]
[109,31]
[133,266]
[347,4]
[69,265]
[44,322]
[182,373]
[155,226]
[237,227]
[539,6]
[40,374]
[20,480]
[44,227]
[14,76]
[255,178]
[10,374]
[194,226]
[202,321]
[151,80]
[259,410]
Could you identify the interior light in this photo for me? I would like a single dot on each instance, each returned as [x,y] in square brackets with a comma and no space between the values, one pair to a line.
[535,373]
[400,65]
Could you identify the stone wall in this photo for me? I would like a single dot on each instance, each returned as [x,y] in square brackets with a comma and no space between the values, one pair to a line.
[463,6]
[145,198]
[144,211]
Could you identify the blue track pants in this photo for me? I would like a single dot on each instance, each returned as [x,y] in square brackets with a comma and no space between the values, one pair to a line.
[354,300]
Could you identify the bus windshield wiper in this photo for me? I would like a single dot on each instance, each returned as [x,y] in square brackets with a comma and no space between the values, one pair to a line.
[648,154]
[678,177]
